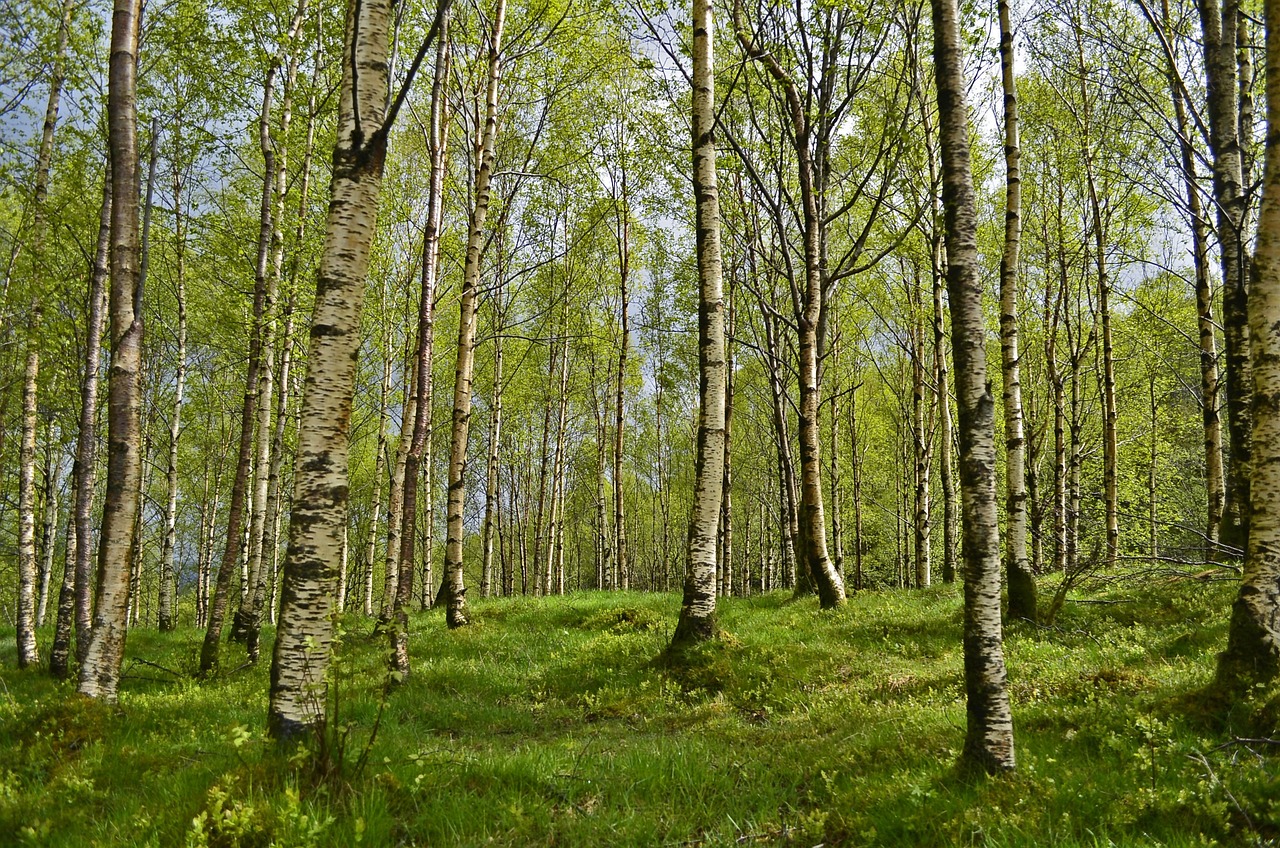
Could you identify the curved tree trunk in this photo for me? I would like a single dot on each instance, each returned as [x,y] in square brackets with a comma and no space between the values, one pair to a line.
[100,669]
[697,611]
[989,738]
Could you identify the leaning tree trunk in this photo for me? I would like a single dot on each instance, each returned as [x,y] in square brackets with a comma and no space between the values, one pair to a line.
[989,740]
[455,589]
[1253,642]
[100,668]
[697,611]
[318,517]
[1022,584]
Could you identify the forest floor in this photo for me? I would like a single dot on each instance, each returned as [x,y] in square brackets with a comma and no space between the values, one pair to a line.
[548,721]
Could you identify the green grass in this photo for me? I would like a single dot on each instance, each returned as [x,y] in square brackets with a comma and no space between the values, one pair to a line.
[548,721]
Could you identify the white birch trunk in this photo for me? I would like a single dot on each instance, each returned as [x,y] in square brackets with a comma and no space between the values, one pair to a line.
[989,738]
[455,591]
[100,669]
[1253,642]
[697,611]
[318,517]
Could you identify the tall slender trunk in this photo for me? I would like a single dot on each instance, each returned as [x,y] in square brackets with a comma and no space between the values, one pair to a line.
[100,667]
[417,457]
[168,582]
[491,516]
[698,607]
[726,495]
[809,311]
[623,214]
[1219,20]
[276,490]
[48,526]
[1215,484]
[455,593]
[1253,641]
[379,468]
[44,164]
[28,653]
[943,399]
[248,621]
[1022,585]
[855,449]
[75,600]
[989,739]
[922,525]
[318,517]
[560,472]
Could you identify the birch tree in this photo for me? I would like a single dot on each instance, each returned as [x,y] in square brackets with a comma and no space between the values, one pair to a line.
[989,736]
[318,519]
[1253,640]
[100,668]
[698,607]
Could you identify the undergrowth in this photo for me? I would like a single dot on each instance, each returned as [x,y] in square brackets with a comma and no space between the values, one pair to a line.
[553,721]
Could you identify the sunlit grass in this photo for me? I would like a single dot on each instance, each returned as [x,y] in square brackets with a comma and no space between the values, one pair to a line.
[552,721]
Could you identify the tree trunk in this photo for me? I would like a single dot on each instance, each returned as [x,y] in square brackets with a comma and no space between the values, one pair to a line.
[989,740]
[100,668]
[698,607]
[726,495]
[319,513]
[168,582]
[1219,20]
[491,517]
[455,592]
[943,399]
[416,453]
[379,468]
[809,309]
[1022,585]
[28,653]
[1253,641]
[1215,485]
[855,449]
[48,525]
[560,472]
[623,217]
[922,524]
[248,622]
[44,160]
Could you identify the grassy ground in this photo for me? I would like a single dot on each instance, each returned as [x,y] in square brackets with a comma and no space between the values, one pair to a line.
[548,722]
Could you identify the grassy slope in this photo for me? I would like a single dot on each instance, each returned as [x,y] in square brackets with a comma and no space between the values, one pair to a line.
[548,722]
